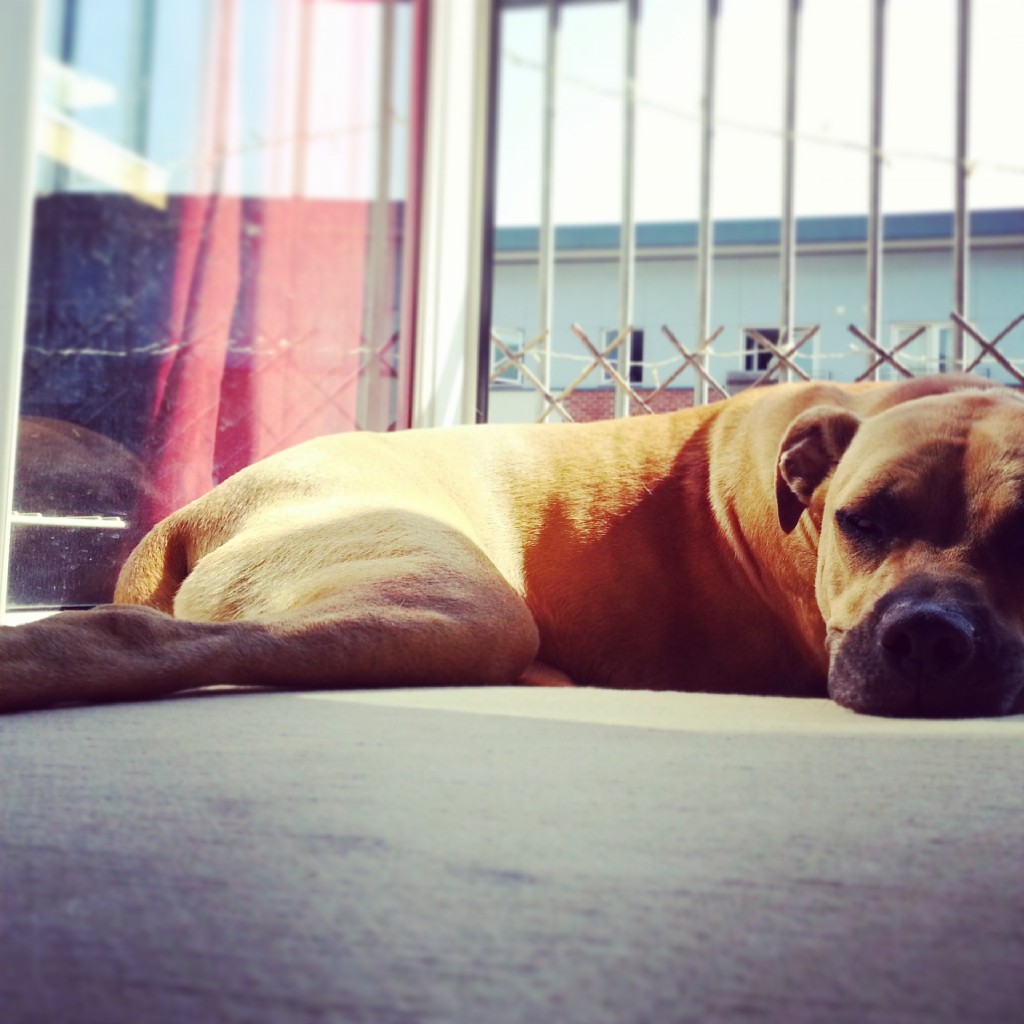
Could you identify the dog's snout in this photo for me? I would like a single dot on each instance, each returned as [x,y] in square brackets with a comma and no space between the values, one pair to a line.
[926,640]
[922,651]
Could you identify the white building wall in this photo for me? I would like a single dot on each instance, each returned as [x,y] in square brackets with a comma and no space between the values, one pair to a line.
[831,293]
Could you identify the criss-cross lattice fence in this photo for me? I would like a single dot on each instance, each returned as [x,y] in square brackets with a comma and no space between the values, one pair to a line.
[678,376]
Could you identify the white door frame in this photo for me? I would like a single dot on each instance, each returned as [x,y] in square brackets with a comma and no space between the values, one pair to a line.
[20,58]
[447,354]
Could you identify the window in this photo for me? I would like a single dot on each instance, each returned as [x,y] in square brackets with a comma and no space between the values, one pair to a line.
[628,360]
[636,358]
[932,351]
[757,358]
[504,372]
[661,92]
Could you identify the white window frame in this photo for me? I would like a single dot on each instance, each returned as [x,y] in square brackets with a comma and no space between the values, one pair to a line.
[624,351]
[515,339]
[932,341]
[20,59]
[447,356]
[809,351]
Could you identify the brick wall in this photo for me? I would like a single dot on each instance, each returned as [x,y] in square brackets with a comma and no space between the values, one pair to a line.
[599,403]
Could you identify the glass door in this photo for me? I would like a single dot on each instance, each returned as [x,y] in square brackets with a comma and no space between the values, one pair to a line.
[222,259]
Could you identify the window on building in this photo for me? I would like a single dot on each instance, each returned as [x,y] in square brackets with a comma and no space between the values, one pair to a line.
[628,359]
[636,358]
[932,351]
[757,358]
[504,372]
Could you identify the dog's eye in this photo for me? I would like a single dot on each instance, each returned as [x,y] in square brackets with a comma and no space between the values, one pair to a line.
[859,526]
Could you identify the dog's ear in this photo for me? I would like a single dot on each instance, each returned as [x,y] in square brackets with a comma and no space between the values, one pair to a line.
[811,448]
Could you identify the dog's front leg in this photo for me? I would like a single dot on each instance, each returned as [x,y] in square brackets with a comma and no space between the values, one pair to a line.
[472,635]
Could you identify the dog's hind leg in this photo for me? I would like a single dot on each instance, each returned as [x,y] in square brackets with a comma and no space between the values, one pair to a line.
[445,618]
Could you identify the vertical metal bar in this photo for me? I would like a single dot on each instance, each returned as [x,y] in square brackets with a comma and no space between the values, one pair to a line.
[875,227]
[961,226]
[411,226]
[21,35]
[454,236]
[487,208]
[627,237]
[487,214]
[705,227]
[788,248]
[546,262]
[377,326]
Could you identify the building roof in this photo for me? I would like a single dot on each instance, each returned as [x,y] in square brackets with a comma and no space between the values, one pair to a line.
[897,227]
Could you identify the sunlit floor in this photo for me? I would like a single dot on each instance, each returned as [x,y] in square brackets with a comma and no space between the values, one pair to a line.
[507,855]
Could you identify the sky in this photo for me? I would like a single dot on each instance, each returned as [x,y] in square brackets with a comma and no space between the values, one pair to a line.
[832,118]
[340,91]
[832,160]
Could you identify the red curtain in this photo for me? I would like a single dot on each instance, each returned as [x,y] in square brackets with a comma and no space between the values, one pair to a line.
[272,299]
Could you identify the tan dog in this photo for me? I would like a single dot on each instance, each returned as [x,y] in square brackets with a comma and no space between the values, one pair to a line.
[864,541]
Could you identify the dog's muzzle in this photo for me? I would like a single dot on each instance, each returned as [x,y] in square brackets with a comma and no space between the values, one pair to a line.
[932,649]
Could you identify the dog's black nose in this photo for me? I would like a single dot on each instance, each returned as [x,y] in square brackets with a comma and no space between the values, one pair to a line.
[926,640]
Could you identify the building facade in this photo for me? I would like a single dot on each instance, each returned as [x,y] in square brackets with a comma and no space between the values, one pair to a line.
[830,296]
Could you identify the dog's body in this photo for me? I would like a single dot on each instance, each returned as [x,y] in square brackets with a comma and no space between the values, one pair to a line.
[798,540]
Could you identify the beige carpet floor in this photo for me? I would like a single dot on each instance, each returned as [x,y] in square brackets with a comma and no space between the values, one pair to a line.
[507,856]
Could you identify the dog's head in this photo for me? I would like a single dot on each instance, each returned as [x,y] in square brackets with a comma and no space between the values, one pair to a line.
[919,514]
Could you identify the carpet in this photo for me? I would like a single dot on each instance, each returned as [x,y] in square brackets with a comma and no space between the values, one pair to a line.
[505,856]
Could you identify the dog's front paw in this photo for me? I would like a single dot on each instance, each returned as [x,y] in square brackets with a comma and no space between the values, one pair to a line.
[75,656]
